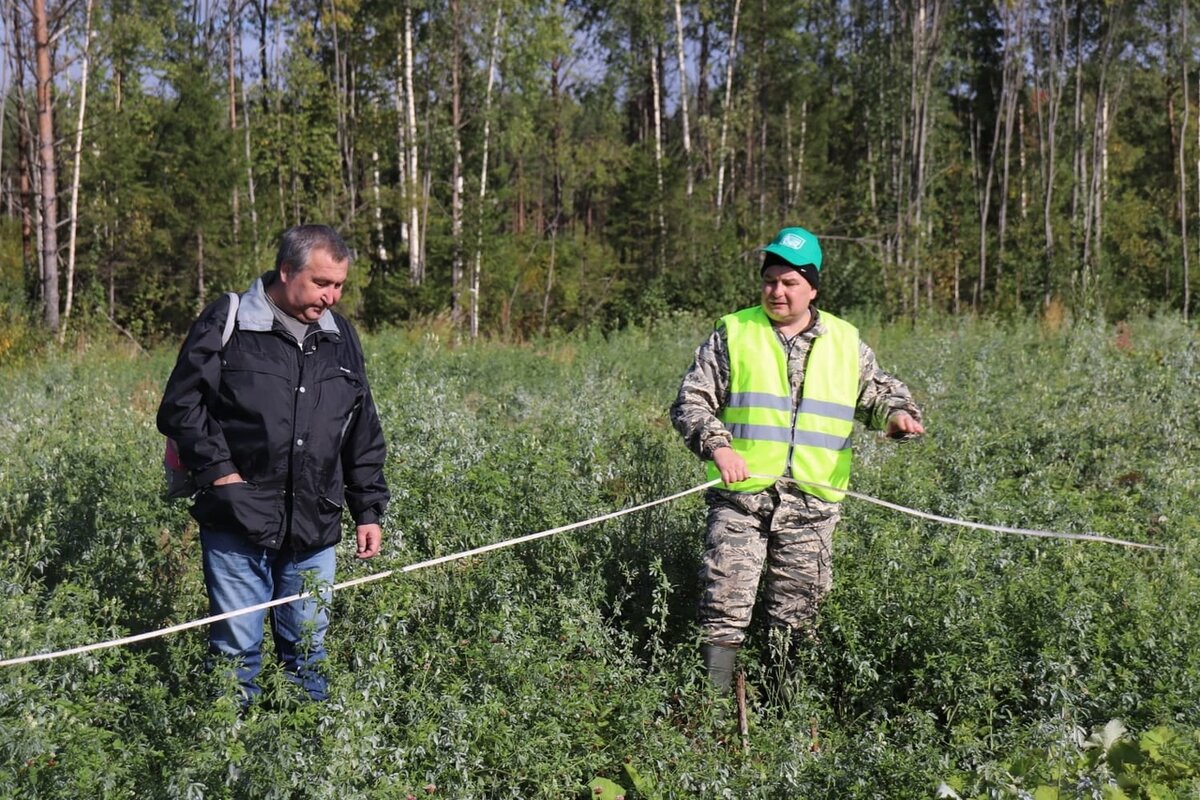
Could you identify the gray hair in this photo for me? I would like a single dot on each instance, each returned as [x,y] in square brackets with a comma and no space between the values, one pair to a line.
[298,242]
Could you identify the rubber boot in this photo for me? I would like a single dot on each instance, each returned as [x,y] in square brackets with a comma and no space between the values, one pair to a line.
[719,660]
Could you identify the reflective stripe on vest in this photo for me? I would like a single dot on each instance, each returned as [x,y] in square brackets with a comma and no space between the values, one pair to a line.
[765,427]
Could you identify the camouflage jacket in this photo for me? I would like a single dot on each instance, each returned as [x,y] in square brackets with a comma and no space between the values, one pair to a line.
[705,388]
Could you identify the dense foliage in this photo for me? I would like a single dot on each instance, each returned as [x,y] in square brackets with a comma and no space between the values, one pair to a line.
[955,156]
[950,662]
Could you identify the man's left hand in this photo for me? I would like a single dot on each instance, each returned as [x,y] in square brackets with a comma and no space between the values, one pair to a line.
[903,426]
[370,538]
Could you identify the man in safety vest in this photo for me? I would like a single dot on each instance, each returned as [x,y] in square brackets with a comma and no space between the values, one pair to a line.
[774,391]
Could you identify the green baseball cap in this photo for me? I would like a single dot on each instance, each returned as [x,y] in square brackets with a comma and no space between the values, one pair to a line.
[796,246]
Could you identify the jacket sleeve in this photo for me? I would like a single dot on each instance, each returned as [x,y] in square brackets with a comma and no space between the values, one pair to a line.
[183,414]
[364,450]
[880,395]
[702,394]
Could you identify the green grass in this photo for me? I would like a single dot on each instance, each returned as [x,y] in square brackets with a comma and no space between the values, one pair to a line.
[977,661]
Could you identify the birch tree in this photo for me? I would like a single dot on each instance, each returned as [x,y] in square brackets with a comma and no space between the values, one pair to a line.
[1050,50]
[924,19]
[416,261]
[1185,63]
[477,269]
[658,157]
[48,170]
[456,169]
[683,100]
[727,106]
[77,154]
[1012,17]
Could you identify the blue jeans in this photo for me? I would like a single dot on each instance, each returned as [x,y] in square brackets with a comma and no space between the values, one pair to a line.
[238,574]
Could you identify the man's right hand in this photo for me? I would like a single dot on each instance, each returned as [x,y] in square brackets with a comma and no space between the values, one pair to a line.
[232,477]
[731,465]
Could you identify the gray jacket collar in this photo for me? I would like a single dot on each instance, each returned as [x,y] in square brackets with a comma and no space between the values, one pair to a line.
[254,311]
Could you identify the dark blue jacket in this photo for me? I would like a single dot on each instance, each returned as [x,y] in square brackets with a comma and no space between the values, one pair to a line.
[298,424]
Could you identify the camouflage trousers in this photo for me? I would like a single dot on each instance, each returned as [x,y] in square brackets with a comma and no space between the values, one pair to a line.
[782,529]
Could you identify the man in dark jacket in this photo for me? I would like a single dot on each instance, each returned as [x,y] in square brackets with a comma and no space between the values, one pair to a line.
[278,428]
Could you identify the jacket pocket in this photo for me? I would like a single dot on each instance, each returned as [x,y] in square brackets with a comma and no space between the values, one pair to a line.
[248,509]
[338,392]
[330,512]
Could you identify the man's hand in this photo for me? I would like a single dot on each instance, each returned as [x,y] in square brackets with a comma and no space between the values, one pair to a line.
[903,426]
[731,465]
[370,537]
[232,477]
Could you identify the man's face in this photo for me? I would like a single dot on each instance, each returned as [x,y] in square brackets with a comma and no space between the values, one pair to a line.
[786,294]
[307,293]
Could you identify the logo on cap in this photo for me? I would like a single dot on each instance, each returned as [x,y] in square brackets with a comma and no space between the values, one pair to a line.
[793,241]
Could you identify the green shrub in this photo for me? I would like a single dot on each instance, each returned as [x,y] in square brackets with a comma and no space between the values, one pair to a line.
[947,657]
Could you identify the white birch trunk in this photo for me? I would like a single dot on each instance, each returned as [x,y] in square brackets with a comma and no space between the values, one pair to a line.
[737,10]
[477,270]
[1183,180]
[401,134]
[4,81]
[1183,205]
[658,158]
[683,99]
[249,156]
[231,43]
[1079,171]
[416,264]
[381,249]
[74,226]
[456,174]
[1012,76]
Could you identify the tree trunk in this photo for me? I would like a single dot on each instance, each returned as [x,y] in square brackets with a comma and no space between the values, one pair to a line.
[49,171]
[1047,120]
[660,250]
[263,10]
[249,156]
[1185,57]
[380,248]
[401,134]
[201,289]
[1187,278]
[683,99]
[477,270]
[234,28]
[985,198]
[25,157]
[78,154]
[3,126]
[1078,156]
[727,106]
[557,64]
[416,265]
[926,35]
[456,173]
[1093,206]
[702,63]
[1009,94]
[343,104]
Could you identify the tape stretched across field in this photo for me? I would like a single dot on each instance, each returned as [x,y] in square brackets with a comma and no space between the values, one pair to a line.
[141,637]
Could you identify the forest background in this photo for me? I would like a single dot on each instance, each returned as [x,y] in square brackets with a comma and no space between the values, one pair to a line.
[522,167]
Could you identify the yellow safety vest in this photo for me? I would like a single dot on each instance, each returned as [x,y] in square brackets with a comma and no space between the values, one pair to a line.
[768,430]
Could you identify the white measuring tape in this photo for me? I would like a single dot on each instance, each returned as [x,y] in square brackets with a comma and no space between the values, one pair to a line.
[1079,537]
[183,626]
